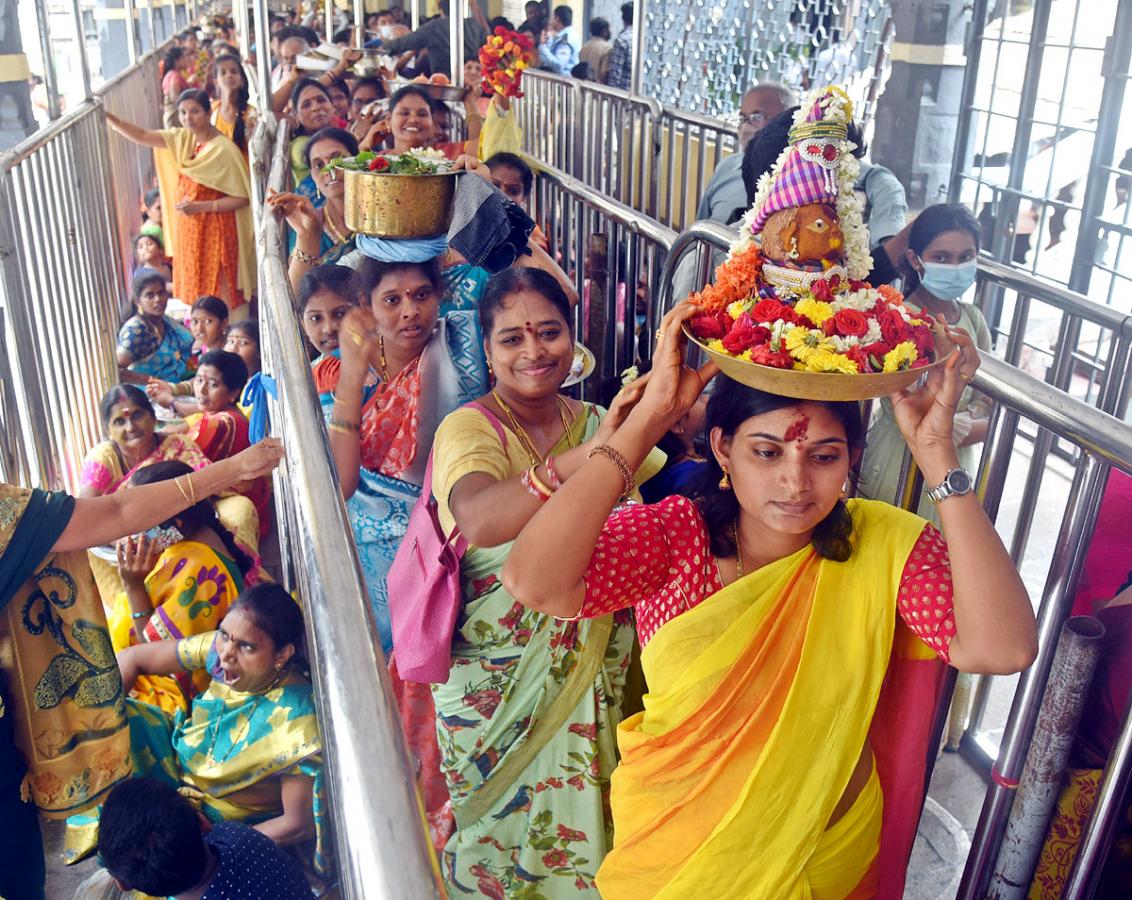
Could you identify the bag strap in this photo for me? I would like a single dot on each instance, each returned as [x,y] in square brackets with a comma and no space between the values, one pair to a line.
[491,417]
[502,778]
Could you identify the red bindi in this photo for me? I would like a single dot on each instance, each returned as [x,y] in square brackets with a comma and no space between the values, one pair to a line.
[530,328]
[799,429]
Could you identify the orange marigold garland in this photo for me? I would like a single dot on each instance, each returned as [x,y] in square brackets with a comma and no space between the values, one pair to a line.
[504,57]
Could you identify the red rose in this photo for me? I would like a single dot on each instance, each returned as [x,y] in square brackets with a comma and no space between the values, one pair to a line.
[858,285]
[772,310]
[570,834]
[860,358]
[879,349]
[822,291]
[764,356]
[850,323]
[744,335]
[710,326]
[556,859]
[924,340]
[893,328]
[378,164]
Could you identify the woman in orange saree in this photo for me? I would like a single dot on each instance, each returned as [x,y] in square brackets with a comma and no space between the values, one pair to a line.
[206,191]
[757,768]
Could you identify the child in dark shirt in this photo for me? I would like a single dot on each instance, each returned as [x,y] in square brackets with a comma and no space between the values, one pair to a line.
[152,840]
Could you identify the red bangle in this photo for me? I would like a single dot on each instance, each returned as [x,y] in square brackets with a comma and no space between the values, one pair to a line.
[532,487]
[552,474]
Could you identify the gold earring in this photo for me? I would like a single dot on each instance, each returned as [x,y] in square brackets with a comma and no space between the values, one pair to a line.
[725,481]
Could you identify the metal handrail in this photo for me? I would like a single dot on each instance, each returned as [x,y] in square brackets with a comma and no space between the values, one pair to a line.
[381,841]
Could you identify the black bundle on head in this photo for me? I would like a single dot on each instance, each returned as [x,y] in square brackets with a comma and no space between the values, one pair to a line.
[200,515]
[275,612]
[731,404]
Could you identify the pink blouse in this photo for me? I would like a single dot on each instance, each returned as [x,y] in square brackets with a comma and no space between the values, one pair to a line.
[661,554]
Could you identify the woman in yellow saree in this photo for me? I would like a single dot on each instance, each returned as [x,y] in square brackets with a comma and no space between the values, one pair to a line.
[786,636]
[179,579]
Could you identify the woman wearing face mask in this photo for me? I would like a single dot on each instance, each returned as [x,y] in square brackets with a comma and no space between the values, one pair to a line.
[178,579]
[205,175]
[939,267]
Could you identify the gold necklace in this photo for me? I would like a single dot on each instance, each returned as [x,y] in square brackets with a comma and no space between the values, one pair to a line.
[337,235]
[521,432]
[738,550]
[381,362]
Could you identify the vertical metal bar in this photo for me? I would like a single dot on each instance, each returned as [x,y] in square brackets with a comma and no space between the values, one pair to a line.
[638,57]
[131,31]
[359,23]
[1076,529]
[151,6]
[415,14]
[1116,59]
[456,41]
[329,25]
[263,53]
[1092,849]
[50,76]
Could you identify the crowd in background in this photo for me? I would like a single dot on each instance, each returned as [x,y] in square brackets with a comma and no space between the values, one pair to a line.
[444,372]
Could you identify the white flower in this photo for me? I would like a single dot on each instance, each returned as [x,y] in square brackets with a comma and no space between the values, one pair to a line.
[844,343]
[873,334]
[630,375]
[862,300]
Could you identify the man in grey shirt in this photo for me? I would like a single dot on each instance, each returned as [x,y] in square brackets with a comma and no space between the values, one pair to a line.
[433,37]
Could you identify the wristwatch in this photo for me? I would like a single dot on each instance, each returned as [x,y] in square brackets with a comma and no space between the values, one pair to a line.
[955,483]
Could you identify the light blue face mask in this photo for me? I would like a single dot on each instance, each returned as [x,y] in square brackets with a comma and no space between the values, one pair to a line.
[948,282]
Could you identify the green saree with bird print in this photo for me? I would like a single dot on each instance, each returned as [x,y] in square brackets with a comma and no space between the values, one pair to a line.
[527,719]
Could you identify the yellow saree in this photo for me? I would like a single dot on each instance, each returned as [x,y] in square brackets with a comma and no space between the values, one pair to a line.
[762,698]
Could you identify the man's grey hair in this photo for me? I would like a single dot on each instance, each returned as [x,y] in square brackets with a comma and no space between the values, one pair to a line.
[785,95]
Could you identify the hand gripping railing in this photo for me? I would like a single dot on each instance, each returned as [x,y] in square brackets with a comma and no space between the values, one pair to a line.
[380,836]
[1104,441]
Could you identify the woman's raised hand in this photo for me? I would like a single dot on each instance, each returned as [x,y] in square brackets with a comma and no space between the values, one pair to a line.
[673,387]
[926,416]
[137,555]
[298,211]
[357,339]
[160,392]
[466,163]
[259,459]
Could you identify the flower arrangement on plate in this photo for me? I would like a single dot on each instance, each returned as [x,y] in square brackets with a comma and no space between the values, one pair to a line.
[418,161]
[504,57]
[792,299]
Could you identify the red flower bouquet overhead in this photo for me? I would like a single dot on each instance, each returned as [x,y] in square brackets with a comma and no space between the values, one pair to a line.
[504,57]
[792,294]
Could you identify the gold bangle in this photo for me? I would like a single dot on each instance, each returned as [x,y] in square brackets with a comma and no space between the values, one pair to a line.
[304,257]
[181,488]
[192,490]
[620,462]
[540,485]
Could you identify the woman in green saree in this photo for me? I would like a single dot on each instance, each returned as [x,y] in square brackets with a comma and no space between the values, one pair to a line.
[525,721]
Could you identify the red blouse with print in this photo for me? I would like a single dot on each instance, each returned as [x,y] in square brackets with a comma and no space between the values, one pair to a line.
[661,553]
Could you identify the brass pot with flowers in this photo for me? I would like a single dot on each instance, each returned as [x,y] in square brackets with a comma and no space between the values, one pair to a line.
[406,195]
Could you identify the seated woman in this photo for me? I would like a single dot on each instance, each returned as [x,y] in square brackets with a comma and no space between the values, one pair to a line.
[221,429]
[401,371]
[319,236]
[179,580]
[149,254]
[525,721]
[249,748]
[761,767]
[938,267]
[151,344]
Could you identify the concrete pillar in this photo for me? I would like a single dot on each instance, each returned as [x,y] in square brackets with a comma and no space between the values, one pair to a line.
[918,114]
[16,119]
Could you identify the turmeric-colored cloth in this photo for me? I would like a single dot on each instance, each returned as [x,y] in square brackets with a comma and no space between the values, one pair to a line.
[210,249]
[61,693]
[191,588]
[762,698]
[228,129]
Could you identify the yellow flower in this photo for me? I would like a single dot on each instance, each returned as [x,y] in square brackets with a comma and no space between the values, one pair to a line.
[717,346]
[817,311]
[804,342]
[823,361]
[900,357]
[737,308]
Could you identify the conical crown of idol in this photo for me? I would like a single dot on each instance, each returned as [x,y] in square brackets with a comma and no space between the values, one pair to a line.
[808,173]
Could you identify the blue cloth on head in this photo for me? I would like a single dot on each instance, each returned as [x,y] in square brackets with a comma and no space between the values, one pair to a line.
[410,250]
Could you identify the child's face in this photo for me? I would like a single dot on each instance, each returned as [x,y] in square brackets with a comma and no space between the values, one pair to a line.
[211,392]
[244,347]
[473,73]
[322,319]
[206,328]
[148,250]
[153,212]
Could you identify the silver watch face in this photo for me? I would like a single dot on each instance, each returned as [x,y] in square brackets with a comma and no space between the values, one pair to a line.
[958,481]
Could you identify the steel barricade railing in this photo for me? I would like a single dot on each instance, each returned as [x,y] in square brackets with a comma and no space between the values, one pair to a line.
[380,836]
[692,145]
[609,249]
[70,197]
[1102,441]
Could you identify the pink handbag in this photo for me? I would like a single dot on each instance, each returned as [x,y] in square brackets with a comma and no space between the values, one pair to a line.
[424,585]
